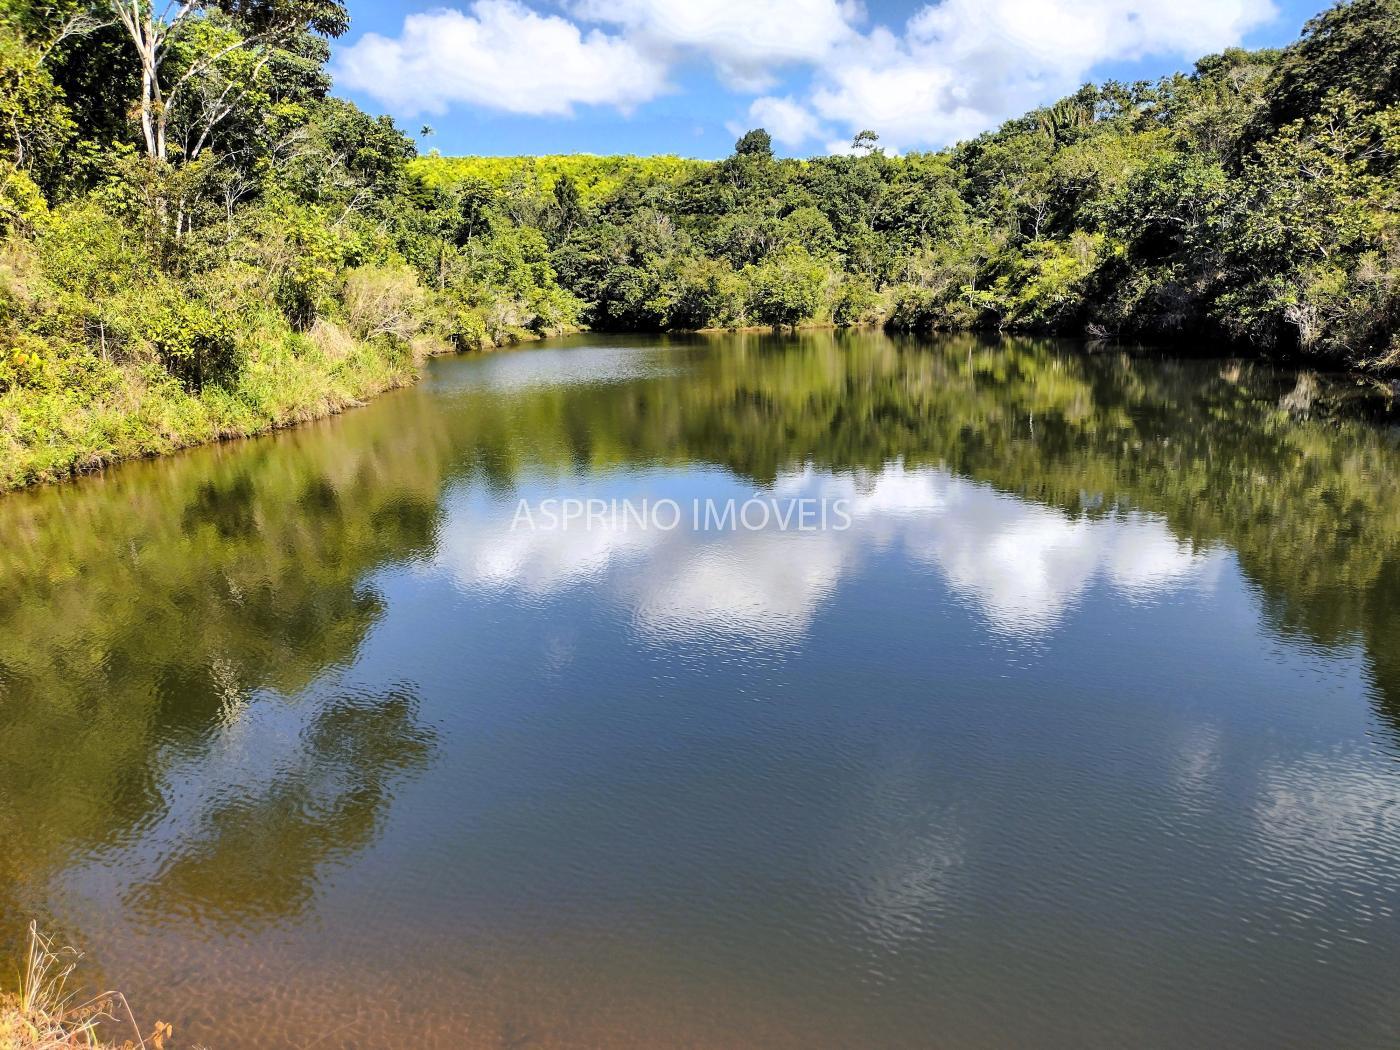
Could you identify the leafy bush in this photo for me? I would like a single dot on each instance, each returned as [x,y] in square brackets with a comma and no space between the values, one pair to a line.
[707,294]
[22,204]
[857,302]
[196,342]
[23,361]
[787,289]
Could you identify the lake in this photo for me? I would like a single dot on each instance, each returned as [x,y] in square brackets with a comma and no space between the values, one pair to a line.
[1075,723]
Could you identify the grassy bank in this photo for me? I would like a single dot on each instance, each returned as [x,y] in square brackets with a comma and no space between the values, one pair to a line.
[132,412]
[129,411]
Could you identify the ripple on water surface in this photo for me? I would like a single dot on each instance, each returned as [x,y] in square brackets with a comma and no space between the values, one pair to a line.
[1081,732]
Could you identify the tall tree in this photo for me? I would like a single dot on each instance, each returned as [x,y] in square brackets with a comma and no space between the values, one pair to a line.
[255,27]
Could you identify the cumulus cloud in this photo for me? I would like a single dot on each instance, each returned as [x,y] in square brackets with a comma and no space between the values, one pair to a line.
[764,587]
[961,66]
[500,55]
[1022,566]
[954,69]
[746,39]
[789,122]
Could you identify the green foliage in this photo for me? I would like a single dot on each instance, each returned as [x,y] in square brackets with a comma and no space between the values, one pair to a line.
[22,205]
[1046,285]
[856,303]
[1352,47]
[35,124]
[24,362]
[196,342]
[595,177]
[709,294]
[786,289]
[301,256]
[247,250]
[756,143]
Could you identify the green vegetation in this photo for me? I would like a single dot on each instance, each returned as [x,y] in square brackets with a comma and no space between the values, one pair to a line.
[198,241]
[219,247]
[1255,201]
[595,177]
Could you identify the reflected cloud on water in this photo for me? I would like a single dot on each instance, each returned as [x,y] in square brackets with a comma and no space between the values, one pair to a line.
[1020,565]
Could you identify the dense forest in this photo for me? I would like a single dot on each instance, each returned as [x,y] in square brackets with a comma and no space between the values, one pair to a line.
[197,239]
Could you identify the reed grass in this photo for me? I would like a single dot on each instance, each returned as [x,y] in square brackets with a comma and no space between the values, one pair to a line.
[47,1012]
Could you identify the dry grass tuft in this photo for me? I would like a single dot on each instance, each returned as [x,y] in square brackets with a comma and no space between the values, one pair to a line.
[46,1013]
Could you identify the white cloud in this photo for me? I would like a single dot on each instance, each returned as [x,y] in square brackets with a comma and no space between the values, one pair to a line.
[746,39]
[500,55]
[1023,566]
[762,586]
[791,123]
[962,66]
[954,69]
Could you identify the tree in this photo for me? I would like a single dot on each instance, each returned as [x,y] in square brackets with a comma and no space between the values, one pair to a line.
[253,26]
[756,143]
[865,142]
[34,123]
[568,207]
[1353,46]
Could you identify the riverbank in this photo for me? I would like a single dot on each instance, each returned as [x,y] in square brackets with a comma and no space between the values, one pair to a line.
[128,412]
[22,1029]
[131,412]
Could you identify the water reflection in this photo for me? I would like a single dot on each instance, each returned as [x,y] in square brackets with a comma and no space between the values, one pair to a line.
[1308,507]
[246,829]
[1079,696]
[146,614]
[1021,565]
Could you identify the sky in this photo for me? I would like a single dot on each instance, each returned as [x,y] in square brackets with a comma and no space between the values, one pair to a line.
[503,77]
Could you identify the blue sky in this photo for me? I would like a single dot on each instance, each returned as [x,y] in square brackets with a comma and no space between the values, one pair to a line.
[683,76]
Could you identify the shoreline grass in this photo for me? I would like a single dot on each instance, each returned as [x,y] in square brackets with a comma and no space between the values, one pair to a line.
[46,1012]
[133,412]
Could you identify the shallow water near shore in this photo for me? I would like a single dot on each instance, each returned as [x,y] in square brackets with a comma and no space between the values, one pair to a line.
[1083,730]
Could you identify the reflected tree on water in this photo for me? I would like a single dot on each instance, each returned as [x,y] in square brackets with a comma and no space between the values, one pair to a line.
[140,609]
[257,854]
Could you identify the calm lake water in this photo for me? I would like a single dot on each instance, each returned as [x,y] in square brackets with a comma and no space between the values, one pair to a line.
[1084,733]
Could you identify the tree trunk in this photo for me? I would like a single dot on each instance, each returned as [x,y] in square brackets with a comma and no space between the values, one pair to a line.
[148,131]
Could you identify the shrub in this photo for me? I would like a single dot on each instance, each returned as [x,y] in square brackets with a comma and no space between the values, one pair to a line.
[708,293]
[555,310]
[303,256]
[467,329]
[384,302]
[1048,280]
[786,289]
[196,342]
[22,206]
[23,361]
[856,302]
[915,309]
